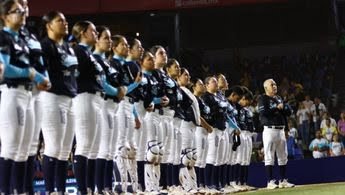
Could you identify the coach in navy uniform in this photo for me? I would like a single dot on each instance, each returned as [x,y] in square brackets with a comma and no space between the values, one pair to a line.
[273,113]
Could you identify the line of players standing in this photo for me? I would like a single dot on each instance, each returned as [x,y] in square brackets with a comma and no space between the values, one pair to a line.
[136,116]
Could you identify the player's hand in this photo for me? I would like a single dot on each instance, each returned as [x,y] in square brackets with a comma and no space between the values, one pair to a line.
[121,92]
[315,148]
[150,108]
[209,129]
[138,77]
[137,123]
[44,86]
[164,101]
[280,106]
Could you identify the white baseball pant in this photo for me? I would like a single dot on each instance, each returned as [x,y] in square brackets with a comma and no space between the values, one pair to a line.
[201,145]
[274,142]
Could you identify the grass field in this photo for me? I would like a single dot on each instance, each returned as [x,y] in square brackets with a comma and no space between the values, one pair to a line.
[314,189]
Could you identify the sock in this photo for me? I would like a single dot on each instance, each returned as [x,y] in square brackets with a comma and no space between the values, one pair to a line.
[80,169]
[61,175]
[91,166]
[163,179]
[141,174]
[208,175]
[169,175]
[49,172]
[245,179]
[242,175]
[229,174]
[223,175]
[5,175]
[197,173]
[18,174]
[30,175]
[202,177]
[216,176]
[269,171]
[282,170]
[108,175]
[237,168]
[99,175]
[175,175]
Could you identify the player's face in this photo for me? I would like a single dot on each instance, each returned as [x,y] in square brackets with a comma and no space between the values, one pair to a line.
[122,48]
[104,41]
[244,102]
[24,4]
[222,83]
[161,57]
[199,87]
[90,35]
[184,78]
[271,88]
[137,50]
[174,70]
[148,62]
[318,134]
[15,17]
[59,25]
[212,85]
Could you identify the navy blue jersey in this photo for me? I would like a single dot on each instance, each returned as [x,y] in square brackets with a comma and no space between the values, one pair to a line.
[186,107]
[36,54]
[16,49]
[218,108]
[62,64]
[126,77]
[205,111]
[270,114]
[90,71]
[160,76]
[172,91]
[147,89]
[245,121]
[134,69]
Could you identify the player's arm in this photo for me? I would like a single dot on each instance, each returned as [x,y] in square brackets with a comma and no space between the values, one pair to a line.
[205,125]
[264,106]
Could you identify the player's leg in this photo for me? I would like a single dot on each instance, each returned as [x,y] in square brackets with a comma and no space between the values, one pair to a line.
[282,160]
[269,140]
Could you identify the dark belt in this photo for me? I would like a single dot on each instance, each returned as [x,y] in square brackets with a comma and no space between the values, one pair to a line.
[275,126]
[99,93]
[109,97]
[26,86]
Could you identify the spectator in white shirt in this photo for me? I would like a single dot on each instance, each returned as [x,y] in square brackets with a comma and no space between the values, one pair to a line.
[336,148]
[303,122]
[307,102]
[317,110]
[319,146]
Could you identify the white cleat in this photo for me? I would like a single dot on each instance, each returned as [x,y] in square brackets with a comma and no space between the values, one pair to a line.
[272,185]
[285,184]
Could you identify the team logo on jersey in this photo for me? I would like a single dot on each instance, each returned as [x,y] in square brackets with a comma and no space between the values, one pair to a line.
[34,44]
[207,110]
[170,83]
[144,81]
[179,96]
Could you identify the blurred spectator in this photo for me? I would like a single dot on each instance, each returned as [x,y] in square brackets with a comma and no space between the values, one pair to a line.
[341,127]
[317,110]
[319,146]
[303,122]
[336,148]
[325,116]
[307,102]
[290,144]
[328,131]
[293,132]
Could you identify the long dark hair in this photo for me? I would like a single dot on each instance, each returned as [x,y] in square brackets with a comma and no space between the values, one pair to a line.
[79,28]
[47,18]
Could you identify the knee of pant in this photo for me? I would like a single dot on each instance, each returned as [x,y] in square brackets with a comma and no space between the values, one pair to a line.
[64,155]
[52,152]
[282,161]
[269,162]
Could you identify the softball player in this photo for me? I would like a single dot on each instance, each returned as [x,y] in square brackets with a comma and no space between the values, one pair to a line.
[135,54]
[201,133]
[162,113]
[16,109]
[216,150]
[89,101]
[273,113]
[58,120]
[125,121]
[234,94]
[174,94]
[244,151]
[36,61]
[146,94]
[105,156]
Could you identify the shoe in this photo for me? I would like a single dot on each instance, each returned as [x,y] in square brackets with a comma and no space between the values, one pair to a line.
[285,184]
[249,188]
[272,185]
